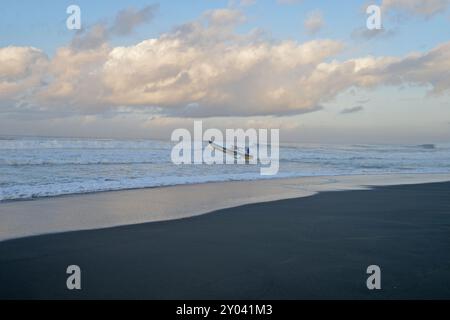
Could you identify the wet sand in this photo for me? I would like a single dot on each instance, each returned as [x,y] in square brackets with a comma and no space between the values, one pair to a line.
[117,208]
[315,247]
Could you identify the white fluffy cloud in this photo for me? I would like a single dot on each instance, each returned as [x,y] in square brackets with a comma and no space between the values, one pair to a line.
[205,69]
[214,79]
[76,79]
[22,69]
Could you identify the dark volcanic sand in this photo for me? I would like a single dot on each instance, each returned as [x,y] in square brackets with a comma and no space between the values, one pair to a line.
[307,248]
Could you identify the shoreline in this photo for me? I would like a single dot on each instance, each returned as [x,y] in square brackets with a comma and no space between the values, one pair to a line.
[104,209]
[77,194]
[316,247]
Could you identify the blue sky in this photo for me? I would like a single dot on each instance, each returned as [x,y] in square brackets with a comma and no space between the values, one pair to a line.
[411,102]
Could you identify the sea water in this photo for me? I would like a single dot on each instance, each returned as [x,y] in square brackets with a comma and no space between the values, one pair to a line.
[32,167]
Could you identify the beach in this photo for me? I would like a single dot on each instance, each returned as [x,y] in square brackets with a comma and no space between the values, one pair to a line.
[229,151]
[283,239]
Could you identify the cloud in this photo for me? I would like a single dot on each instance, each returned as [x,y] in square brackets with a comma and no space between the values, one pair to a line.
[206,69]
[423,8]
[314,22]
[245,3]
[364,33]
[76,80]
[429,69]
[215,78]
[352,110]
[288,1]
[22,70]
[224,17]
[91,38]
[125,22]
[18,63]
[129,19]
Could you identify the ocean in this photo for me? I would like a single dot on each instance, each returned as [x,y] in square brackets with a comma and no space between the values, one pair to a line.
[33,167]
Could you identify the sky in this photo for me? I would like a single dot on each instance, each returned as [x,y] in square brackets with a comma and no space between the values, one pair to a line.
[140,69]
